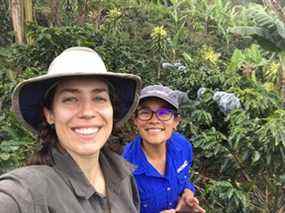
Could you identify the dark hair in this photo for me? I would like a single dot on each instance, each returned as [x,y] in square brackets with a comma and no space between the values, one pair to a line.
[47,137]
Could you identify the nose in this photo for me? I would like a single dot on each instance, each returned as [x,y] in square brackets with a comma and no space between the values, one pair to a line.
[87,110]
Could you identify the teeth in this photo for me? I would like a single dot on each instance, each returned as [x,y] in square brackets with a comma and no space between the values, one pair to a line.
[86,131]
[154,130]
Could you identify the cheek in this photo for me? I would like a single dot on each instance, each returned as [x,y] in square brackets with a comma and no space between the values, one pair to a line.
[63,116]
[107,113]
[139,124]
[169,131]
[171,127]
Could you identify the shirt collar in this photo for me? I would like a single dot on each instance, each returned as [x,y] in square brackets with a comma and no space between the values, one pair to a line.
[173,142]
[72,174]
[115,169]
[140,161]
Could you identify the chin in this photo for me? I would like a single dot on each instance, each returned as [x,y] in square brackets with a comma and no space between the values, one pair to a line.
[89,150]
[155,142]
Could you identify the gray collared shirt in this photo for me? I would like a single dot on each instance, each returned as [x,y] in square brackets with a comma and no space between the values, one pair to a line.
[64,188]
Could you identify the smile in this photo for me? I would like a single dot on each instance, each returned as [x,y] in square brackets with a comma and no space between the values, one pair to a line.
[154,129]
[86,131]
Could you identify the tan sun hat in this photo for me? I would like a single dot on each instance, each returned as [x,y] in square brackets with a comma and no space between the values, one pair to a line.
[28,96]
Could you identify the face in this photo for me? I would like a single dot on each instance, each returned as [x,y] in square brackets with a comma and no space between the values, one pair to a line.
[82,114]
[155,131]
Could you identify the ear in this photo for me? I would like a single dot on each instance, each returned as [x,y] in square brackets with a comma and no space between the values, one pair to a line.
[135,120]
[48,116]
[177,121]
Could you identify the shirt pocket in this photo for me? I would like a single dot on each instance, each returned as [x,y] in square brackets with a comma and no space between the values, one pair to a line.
[148,204]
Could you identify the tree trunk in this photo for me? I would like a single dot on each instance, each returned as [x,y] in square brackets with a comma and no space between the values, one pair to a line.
[83,10]
[54,15]
[282,76]
[28,9]
[17,15]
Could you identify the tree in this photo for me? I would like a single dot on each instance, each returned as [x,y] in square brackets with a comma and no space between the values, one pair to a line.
[22,14]
[17,15]
[268,30]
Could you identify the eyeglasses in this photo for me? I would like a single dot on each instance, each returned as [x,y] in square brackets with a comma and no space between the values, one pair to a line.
[162,114]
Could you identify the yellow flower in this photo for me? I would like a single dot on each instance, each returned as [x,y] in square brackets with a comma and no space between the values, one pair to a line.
[158,33]
[272,70]
[115,13]
[210,55]
[269,86]
[273,67]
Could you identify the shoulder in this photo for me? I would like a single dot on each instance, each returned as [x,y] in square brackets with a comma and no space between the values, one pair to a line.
[179,147]
[29,173]
[128,149]
[131,148]
[117,161]
[181,140]
[32,178]
[27,184]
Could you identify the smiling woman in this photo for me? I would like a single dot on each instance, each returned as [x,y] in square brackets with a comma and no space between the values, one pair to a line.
[73,109]
[82,113]
[161,155]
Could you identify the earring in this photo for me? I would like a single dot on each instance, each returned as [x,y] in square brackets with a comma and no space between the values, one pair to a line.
[51,126]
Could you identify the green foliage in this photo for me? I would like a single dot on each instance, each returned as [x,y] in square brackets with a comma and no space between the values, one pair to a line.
[49,42]
[223,193]
[239,156]
[5,23]
[264,26]
[15,144]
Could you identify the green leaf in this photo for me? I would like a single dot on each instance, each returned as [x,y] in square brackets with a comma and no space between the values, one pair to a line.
[256,156]
[4,156]
[247,31]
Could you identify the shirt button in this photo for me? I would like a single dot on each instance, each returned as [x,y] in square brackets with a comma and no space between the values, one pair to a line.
[145,205]
[168,188]
[169,203]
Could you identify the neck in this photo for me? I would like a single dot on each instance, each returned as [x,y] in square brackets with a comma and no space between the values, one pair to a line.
[156,156]
[154,151]
[91,168]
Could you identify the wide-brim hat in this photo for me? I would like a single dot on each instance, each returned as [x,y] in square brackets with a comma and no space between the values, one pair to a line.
[28,96]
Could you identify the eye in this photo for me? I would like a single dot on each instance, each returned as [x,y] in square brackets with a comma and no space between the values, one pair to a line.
[100,98]
[144,112]
[70,99]
[164,111]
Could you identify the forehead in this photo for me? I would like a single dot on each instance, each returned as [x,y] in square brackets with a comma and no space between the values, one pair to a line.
[82,83]
[154,102]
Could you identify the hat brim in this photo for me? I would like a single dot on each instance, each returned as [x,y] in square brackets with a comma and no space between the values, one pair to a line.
[28,95]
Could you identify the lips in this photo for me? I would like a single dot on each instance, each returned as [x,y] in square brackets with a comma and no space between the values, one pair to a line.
[86,130]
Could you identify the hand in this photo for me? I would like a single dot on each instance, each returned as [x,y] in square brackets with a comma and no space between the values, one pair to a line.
[168,211]
[189,203]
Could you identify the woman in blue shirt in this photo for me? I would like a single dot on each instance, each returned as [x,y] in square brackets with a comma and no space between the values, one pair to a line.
[162,156]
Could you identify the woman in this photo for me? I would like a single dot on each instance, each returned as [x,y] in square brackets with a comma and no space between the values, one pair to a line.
[72,109]
[162,156]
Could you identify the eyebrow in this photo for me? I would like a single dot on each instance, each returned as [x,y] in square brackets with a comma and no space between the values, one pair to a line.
[71,90]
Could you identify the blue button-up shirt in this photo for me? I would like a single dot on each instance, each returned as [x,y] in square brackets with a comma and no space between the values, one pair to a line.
[158,192]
